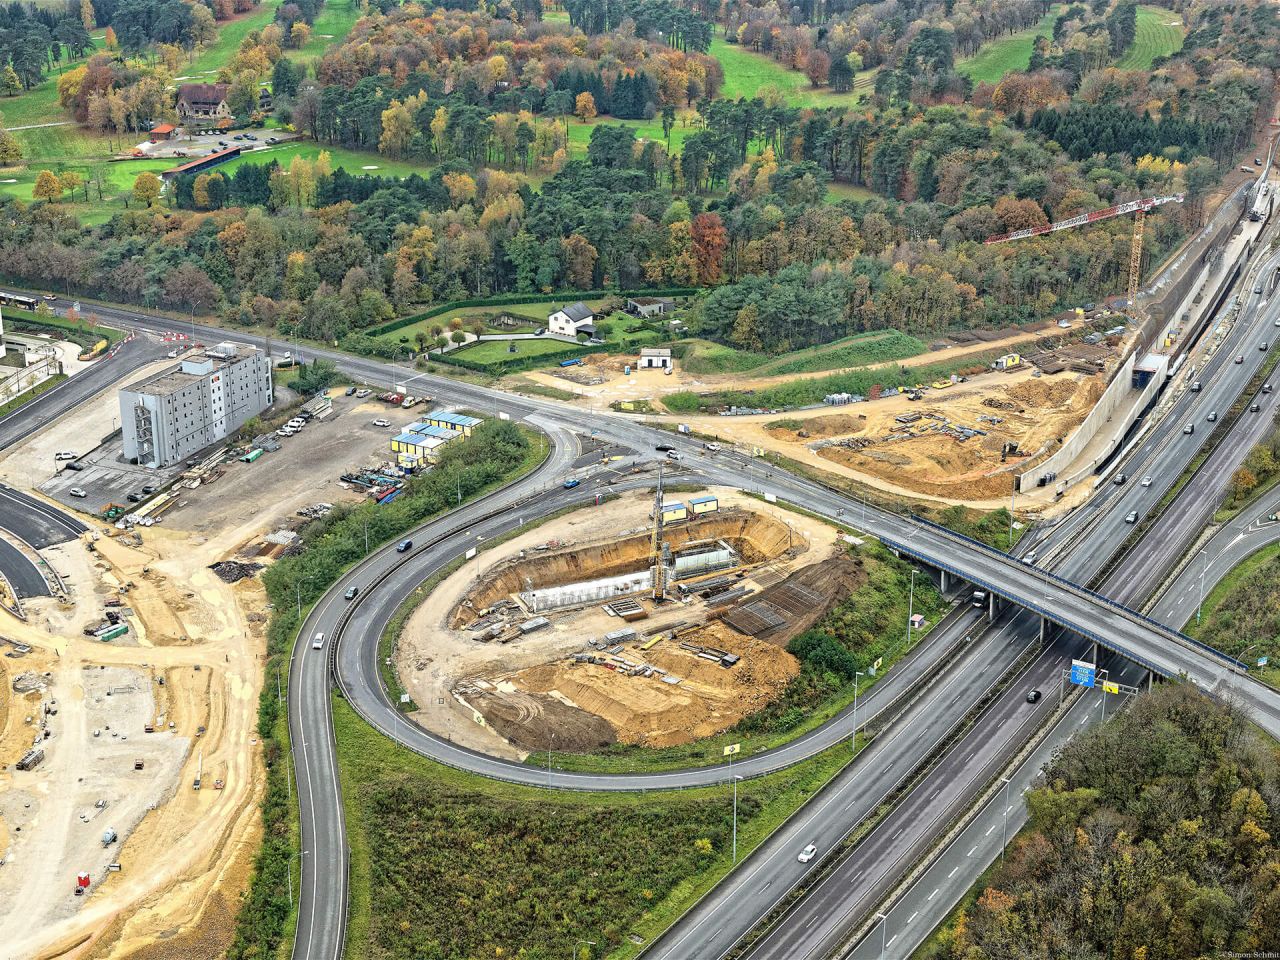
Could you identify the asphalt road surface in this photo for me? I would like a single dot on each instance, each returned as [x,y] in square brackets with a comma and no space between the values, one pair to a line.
[1026,585]
[35,521]
[23,575]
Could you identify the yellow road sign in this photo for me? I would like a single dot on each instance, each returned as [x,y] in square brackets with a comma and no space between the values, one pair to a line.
[731,749]
[1109,687]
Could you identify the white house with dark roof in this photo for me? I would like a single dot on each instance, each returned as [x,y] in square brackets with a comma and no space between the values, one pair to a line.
[571,320]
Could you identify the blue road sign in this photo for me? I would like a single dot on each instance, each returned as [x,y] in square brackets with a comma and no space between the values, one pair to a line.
[1082,673]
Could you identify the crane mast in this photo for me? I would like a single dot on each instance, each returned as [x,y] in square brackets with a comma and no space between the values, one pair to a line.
[1137,207]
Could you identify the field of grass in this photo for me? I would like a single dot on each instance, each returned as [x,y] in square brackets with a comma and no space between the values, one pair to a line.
[1159,34]
[445,863]
[536,313]
[356,162]
[847,191]
[496,351]
[993,60]
[746,71]
[702,356]
[332,24]
[1240,613]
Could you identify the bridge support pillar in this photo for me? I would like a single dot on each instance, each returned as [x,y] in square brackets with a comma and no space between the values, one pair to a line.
[991,608]
[945,582]
[1044,630]
[1151,680]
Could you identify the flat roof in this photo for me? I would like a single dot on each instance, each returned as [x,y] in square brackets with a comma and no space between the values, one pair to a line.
[421,440]
[213,158]
[458,419]
[703,500]
[176,378]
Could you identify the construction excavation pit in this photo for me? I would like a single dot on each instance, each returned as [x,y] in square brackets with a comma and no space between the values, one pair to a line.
[610,626]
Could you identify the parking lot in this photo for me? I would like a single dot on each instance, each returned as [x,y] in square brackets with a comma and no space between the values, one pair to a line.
[106,478]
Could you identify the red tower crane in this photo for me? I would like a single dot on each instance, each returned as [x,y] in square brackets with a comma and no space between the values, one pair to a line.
[1138,207]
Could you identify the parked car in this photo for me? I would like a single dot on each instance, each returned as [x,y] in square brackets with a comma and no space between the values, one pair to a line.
[250,136]
[238,136]
[351,391]
[672,455]
[133,496]
[75,465]
[404,546]
[77,492]
[381,422]
[808,853]
[150,488]
[284,432]
[64,455]
[664,448]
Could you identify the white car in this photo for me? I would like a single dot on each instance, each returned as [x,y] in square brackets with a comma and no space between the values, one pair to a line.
[77,492]
[380,422]
[285,432]
[64,455]
[808,853]
[1146,481]
[318,642]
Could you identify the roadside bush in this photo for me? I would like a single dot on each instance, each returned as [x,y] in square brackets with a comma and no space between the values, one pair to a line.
[330,544]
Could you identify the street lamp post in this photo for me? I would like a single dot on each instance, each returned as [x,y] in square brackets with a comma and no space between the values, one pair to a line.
[853,736]
[884,930]
[578,943]
[550,747]
[1004,832]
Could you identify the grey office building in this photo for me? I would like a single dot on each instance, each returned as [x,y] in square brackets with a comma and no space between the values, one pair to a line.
[177,412]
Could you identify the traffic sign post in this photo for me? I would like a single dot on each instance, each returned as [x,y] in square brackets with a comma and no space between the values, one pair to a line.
[1083,673]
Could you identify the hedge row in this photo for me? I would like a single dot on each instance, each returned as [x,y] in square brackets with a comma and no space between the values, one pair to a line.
[566,296]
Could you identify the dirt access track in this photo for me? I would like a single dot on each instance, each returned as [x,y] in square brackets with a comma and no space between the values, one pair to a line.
[193,658]
[515,697]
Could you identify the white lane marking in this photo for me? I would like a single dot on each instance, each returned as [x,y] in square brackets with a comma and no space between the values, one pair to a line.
[913,916]
[952,873]
[1008,808]
[971,852]
[989,829]
[935,893]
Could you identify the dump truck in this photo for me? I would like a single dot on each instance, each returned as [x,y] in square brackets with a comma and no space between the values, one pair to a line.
[1008,362]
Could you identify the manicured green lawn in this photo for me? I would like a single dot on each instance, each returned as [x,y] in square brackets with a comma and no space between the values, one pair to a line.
[495,351]
[580,133]
[847,191]
[1159,34]
[1001,56]
[354,161]
[332,25]
[120,177]
[745,72]
[536,313]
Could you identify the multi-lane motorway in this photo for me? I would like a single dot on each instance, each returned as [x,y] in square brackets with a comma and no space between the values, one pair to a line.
[320,925]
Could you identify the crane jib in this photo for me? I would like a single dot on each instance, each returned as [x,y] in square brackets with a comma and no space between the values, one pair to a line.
[1080,220]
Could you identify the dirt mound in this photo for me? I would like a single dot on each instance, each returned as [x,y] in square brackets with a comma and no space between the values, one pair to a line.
[529,720]
[707,699]
[835,425]
[756,537]
[1041,393]
[787,609]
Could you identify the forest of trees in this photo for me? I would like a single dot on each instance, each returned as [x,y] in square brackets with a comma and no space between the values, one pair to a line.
[1152,838]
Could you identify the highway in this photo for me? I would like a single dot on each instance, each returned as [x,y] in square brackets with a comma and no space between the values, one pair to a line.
[817,925]
[1026,585]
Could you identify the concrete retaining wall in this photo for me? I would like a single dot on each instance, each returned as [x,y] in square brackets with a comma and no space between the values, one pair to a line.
[1121,400]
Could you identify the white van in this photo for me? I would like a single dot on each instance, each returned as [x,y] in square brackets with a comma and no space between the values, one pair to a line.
[318,642]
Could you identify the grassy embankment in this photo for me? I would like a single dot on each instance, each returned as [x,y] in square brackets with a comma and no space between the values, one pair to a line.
[880,346]
[459,865]
[1242,613]
[803,393]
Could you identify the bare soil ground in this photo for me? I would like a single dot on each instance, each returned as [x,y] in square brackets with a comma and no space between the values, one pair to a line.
[866,441]
[615,385]
[186,855]
[511,698]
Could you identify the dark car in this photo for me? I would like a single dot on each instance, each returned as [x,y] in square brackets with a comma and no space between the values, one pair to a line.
[75,465]
[351,593]
[150,488]
[1120,479]
[404,546]
[351,391]
[1034,696]
[664,447]
[1254,408]
[134,497]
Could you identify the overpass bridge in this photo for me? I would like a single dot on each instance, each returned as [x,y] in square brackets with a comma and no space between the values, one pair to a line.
[1160,649]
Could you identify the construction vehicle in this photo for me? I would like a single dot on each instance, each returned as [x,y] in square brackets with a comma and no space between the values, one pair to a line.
[199,770]
[108,837]
[1008,362]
